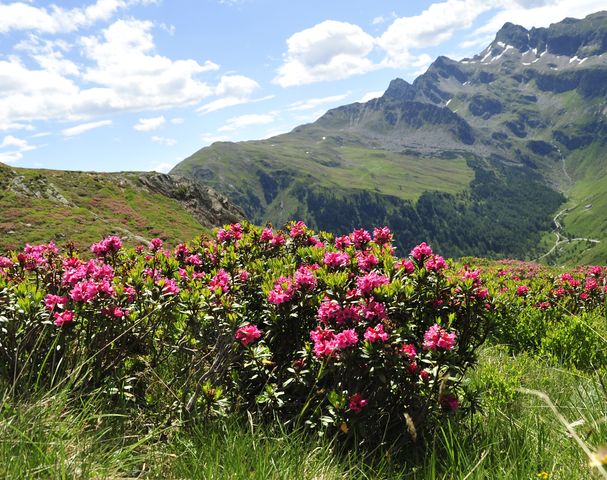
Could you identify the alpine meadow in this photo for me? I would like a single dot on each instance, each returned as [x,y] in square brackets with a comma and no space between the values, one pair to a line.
[408,286]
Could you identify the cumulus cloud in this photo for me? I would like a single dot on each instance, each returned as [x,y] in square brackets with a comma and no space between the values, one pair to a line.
[123,72]
[163,167]
[168,142]
[243,121]
[232,90]
[330,50]
[149,124]
[14,148]
[24,16]
[371,95]
[84,127]
[433,26]
[316,102]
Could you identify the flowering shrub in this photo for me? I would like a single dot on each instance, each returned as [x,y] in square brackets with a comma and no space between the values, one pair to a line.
[551,313]
[337,334]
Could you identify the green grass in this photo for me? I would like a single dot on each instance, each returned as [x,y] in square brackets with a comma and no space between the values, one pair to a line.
[327,163]
[515,435]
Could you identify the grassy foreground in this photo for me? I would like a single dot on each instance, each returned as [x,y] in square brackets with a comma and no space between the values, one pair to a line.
[514,435]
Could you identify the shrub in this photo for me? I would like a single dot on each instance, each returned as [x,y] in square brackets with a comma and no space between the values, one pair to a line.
[334,334]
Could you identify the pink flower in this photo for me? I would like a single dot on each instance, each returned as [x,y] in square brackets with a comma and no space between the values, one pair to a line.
[181,251]
[283,291]
[437,338]
[325,343]
[382,235]
[522,290]
[247,334]
[243,276]
[342,242]
[376,334]
[298,229]
[591,284]
[220,280]
[366,260]
[304,278]
[155,244]
[373,309]
[360,237]
[169,286]
[347,338]
[436,263]
[115,312]
[409,351]
[233,232]
[51,301]
[5,262]
[407,265]
[421,251]
[328,310]
[596,271]
[193,260]
[369,282]
[266,235]
[107,246]
[357,403]
[63,318]
[84,291]
[336,259]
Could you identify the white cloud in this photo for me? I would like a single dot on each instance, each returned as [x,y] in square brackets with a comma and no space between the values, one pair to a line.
[123,73]
[209,138]
[243,121]
[10,141]
[15,126]
[316,102]
[177,121]
[133,77]
[149,124]
[378,20]
[164,167]
[232,90]
[84,127]
[168,142]
[10,157]
[330,50]
[537,13]
[23,16]
[371,95]
[433,26]
[16,147]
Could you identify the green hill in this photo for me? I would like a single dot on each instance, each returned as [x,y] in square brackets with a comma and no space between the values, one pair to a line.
[45,205]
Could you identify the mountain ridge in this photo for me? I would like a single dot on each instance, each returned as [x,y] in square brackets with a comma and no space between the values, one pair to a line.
[520,118]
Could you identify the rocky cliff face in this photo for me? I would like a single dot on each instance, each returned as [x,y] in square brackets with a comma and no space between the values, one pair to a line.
[209,207]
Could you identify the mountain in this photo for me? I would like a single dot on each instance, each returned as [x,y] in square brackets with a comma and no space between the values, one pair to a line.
[41,205]
[475,155]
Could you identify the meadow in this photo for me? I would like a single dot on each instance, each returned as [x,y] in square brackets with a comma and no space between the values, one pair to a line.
[286,353]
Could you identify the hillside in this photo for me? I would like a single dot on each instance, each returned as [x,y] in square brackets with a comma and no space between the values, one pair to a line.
[44,205]
[476,155]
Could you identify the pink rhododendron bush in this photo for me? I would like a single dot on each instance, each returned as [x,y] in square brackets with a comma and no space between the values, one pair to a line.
[335,334]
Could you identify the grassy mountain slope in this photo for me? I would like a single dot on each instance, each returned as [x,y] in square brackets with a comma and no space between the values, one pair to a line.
[44,205]
[476,156]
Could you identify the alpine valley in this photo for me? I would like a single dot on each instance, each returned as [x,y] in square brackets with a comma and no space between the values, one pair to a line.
[494,155]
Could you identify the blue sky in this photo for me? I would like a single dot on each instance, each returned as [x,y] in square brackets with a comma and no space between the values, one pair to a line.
[112,85]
